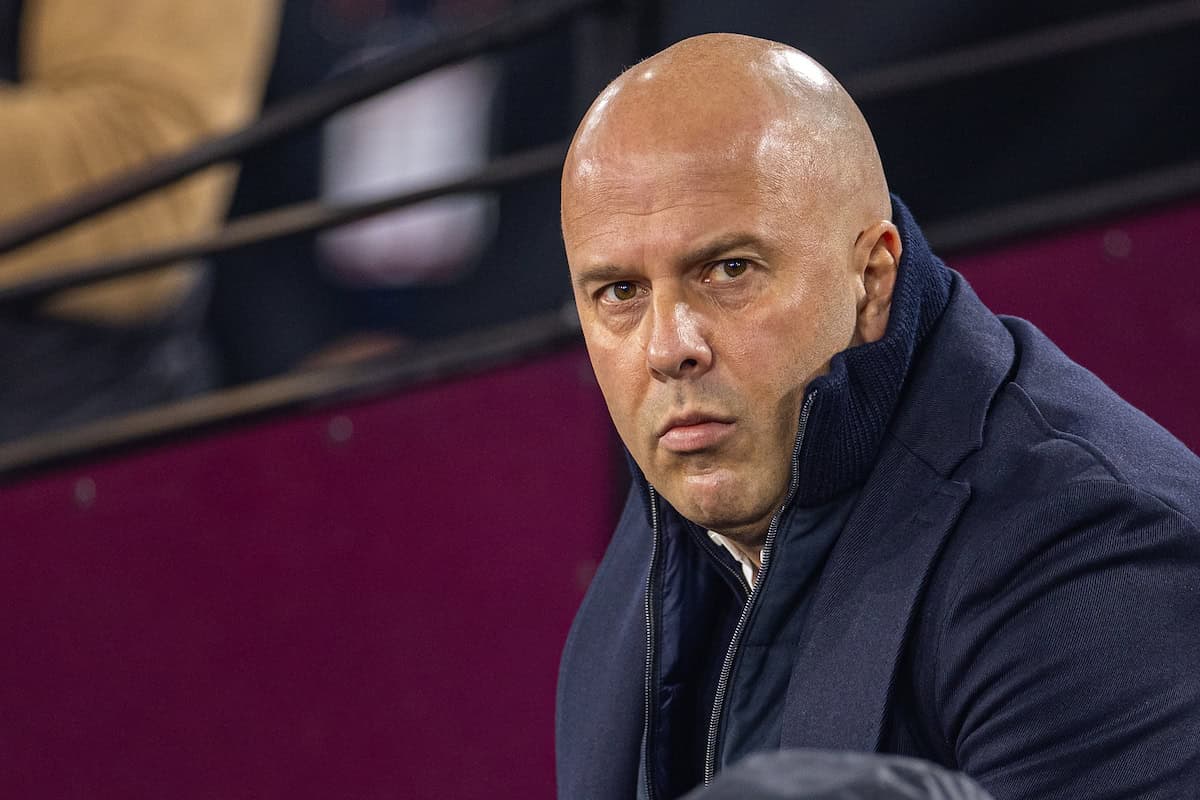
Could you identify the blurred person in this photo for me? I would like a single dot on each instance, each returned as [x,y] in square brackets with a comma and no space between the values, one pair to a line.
[416,274]
[429,129]
[95,89]
[867,513]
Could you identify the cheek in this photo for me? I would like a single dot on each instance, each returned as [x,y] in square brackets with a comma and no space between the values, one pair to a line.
[617,373]
[821,324]
[781,352]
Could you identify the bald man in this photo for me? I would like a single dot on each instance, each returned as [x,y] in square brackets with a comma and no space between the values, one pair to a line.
[867,513]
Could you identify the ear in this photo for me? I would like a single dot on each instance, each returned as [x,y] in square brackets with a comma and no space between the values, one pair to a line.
[877,255]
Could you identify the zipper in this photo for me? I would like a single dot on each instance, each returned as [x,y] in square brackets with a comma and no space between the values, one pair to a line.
[648,767]
[710,547]
[710,751]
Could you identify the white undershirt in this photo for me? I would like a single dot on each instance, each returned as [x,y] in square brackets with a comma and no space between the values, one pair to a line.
[748,568]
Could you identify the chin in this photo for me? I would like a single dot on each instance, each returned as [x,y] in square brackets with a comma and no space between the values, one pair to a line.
[718,501]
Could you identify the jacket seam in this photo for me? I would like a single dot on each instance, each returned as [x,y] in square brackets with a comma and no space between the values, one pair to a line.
[1089,447]
[1034,414]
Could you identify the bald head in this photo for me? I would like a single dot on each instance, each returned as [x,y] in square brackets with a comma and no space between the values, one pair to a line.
[728,231]
[717,99]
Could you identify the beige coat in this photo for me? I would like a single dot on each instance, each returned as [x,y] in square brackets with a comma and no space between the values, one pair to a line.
[108,85]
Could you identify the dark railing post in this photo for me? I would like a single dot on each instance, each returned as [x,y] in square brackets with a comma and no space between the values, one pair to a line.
[607,43]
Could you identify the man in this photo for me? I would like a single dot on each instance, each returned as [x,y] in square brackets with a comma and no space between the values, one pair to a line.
[868,514]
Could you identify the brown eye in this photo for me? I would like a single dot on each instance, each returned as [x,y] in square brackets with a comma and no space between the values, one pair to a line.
[624,290]
[728,270]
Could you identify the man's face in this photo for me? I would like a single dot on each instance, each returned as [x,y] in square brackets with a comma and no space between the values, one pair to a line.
[710,295]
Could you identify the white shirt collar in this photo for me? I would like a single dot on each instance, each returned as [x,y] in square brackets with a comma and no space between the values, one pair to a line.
[748,568]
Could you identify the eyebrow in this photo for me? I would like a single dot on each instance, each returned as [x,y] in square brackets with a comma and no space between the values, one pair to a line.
[708,252]
[719,247]
[603,273]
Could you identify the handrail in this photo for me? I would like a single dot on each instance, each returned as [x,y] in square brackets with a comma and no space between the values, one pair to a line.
[534,334]
[503,344]
[533,17]
[287,221]
[529,19]
[1022,48]
[313,387]
[1047,212]
[988,226]
[525,20]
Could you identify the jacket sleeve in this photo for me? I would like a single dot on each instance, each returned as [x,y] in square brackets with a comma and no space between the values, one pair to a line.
[107,86]
[1068,665]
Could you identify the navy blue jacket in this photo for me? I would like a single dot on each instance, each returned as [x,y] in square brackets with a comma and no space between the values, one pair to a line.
[1015,592]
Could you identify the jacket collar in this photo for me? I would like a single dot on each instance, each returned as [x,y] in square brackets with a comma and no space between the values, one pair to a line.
[840,692]
[856,399]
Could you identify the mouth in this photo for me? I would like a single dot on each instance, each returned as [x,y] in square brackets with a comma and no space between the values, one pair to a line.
[689,433]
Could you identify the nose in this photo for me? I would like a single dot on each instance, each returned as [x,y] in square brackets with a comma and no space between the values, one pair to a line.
[677,347]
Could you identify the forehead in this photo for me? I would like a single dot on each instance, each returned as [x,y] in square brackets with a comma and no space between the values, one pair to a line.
[665,200]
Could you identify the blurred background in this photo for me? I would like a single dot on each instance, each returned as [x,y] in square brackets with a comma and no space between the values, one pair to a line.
[309,514]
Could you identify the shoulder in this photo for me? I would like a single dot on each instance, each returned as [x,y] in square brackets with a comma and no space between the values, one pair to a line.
[598,717]
[1042,445]
[1058,612]
[621,574]
[611,613]
[1068,404]
[1068,477]
[1059,446]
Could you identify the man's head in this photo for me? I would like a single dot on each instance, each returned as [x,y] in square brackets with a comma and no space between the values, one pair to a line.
[727,225]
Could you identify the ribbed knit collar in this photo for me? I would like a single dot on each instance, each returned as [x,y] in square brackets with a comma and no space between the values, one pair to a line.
[854,402]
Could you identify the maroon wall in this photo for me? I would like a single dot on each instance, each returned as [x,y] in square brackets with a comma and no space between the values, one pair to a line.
[1121,298]
[274,613]
[370,602]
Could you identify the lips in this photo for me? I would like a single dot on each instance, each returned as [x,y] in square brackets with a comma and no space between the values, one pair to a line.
[689,433]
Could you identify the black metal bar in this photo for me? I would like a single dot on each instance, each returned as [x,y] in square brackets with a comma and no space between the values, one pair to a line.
[497,346]
[604,46]
[526,20]
[1022,49]
[1046,213]
[315,387]
[299,218]
[527,337]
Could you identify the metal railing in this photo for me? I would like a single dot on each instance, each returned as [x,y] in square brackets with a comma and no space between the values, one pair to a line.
[535,334]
